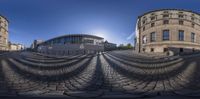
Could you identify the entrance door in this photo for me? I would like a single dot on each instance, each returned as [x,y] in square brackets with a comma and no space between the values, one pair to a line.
[181,50]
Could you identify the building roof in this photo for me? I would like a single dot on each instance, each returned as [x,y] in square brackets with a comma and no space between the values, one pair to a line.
[68,35]
[4,18]
[169,9]
[106,42]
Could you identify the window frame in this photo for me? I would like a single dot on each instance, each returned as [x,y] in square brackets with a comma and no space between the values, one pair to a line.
[181,35]
[153,37]
[163,35]
[152,49]
[153,18]
[143,29]
[180,16]
[181,22]
[165,22]
[152,24]
[193,25]
[166,15]
[193,37]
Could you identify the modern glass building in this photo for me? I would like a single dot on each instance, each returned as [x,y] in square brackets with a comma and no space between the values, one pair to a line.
[72,44]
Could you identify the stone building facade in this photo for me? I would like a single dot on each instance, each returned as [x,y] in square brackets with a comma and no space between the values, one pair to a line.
[168,30]
[3,34]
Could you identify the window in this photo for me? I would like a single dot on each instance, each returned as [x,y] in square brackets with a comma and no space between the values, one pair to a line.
[180,22]
[166,22]
[180,16]
[153,37]
[144,28]
[181,35]
[144,39]
[165,35]
[181,50]
[165,50]
[152,24]
[192,18]
[54,41]
[144,22]
[66,40]
[192,37]
[152,49]
[153,18]
[89,41]
[165,12]
[192,14]
[193,50]
[58,41]
[165,16]
[143,49]
[193,25]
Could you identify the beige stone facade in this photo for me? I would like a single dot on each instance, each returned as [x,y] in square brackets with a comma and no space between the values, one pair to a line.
[16,47]
[168,30]
[3,33]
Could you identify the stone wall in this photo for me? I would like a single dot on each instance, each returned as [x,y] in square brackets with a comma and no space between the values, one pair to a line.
[3,34]
[191,24]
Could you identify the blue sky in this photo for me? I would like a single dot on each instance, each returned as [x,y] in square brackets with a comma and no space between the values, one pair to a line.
[113,19]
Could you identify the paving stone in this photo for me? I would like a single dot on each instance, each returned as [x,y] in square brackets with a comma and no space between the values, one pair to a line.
[32,93]
[119,95]
[54,93]
[85,94]
[115,74]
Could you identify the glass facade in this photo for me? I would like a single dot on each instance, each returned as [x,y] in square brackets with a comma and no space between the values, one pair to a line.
[88,41]
[165,35]
[72,40]
[75,39]
[181,35]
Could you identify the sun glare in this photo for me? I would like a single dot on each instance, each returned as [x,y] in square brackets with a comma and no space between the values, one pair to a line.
[101,34]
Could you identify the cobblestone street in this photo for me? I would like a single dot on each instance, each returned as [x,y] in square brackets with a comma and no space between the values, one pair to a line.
[117,74]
